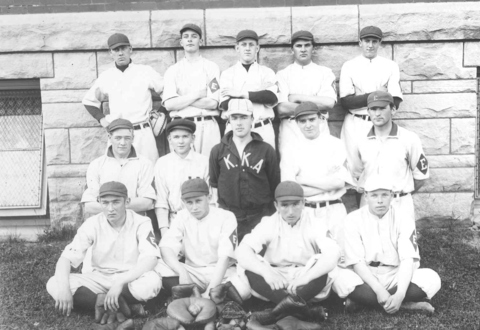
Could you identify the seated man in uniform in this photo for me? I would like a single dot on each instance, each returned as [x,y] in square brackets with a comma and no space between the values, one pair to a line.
[300,261]
[207,237]
[124,259]
[381,246]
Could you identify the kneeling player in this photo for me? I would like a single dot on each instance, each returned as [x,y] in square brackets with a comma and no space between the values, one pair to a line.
[123,261]
[380,244]
[300,261]
[207,237]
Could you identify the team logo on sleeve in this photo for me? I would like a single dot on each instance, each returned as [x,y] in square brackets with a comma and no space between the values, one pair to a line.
[151,239]
[413,239]
[422,164]
[234,238]
[213,85]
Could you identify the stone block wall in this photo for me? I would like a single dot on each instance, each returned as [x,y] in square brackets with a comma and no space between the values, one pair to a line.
[436,46]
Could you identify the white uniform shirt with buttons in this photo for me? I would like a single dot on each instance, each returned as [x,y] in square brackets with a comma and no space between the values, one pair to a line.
[129,92]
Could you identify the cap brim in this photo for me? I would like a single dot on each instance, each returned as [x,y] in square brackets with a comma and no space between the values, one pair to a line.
[301,38]
[119,44]
[289,198]
[371,36]
[307,112]
[370,189]
[119,127]
[112,193]
[194,194]
[239,112]
[185,128]
[378,104]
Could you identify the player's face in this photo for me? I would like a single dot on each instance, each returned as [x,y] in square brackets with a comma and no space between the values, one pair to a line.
[241,124]
[181,141]
[114,208]
[247,49]
[190,41]
[310,125]
[121,55]
[380,116]
[121,140]
[370,46]
[198,206]
[291,211]
[302,50]
[379,201]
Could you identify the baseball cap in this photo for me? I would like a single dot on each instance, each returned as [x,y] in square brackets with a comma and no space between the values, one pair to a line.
[118,39]
[288,191]
[371,31]
[113,188]
[240,107]
[306,108]
[194,188]
[119,123]
[193,27]
[379,99]
[250,34]
[185,124]
[377,182]
[304,35]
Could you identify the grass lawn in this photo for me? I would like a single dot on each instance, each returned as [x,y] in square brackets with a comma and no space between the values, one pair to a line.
[453,252]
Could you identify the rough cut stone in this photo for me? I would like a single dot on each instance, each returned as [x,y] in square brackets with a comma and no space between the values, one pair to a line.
[328,24]
[445,86]
[72,71]
[442,206]
[463,135]
[57,149]
[438,105]
[406,87]
[272,25]
[63,115]
[433,133]
[424,21]
[451,161]
[166,25]
[160,60]
[432,61]
[449,180]
[67,171]
[25,66]
[72,31]
[470,54]
[63,96]
[223,57]
[65,195]
[86,144]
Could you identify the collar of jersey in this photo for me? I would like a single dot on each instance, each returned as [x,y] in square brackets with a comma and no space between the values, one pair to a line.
[393,132]
[303,66]
[132,154]
[228,138]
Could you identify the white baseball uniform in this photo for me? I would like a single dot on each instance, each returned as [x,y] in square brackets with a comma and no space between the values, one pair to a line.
[129,96]
[114,252]
[171,171]
[399,157]
[312,80]
[203,242]
[291,250]
[185,77]
[387,241]
[360,76]
[257,78]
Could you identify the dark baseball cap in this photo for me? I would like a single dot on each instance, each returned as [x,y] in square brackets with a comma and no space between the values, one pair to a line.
[118,39]
[371,31]
[247,34]
[306,108]
[303,35]
[379,99]
[113,188]
[288,191]
[185,124]
[193,27]
[119,123]
[194,188]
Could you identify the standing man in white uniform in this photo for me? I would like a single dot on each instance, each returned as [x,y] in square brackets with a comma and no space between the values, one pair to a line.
[192,90]
[361,76]
[300,82]
[128,87]
[249,80]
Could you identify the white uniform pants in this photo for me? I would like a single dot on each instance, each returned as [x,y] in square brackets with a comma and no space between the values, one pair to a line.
[207,135]
[353,129]
[143,288]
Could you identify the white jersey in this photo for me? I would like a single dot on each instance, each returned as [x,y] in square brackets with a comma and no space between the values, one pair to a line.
[362,75]
[185,77]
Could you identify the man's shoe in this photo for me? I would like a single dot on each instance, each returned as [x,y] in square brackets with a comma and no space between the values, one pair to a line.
[185,291]
[290,305]
[351,306]
[317,314]
[423,307]
[292,323]
[138,310]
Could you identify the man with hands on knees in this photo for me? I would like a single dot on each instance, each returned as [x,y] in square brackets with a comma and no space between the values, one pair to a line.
[124,259]
[381,248]
[299,261]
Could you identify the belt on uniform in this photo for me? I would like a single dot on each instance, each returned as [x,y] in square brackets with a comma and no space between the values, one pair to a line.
[322,204]
[375,264]
[141,125]
[400,194]
[197,118]
[364,117]
[263,123]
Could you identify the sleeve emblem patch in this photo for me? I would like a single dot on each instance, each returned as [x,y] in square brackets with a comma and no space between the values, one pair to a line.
[214,86]
[422,164]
